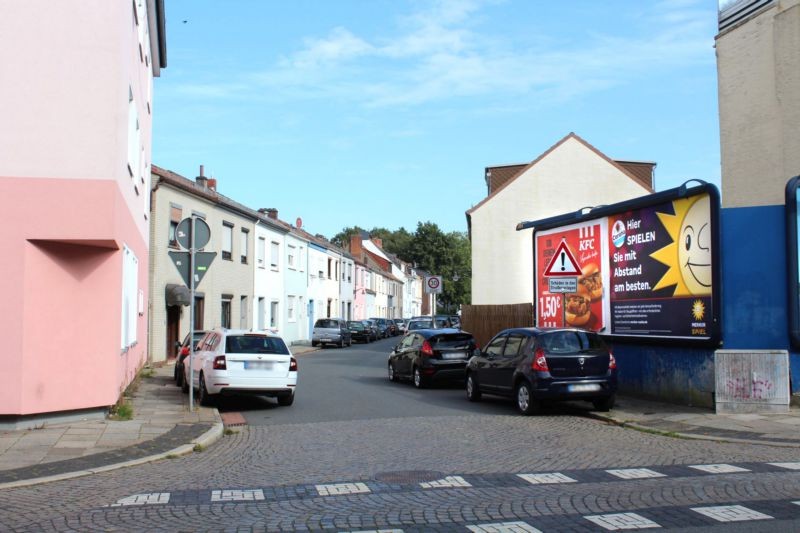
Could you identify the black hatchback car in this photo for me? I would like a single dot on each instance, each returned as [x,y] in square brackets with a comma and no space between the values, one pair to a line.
[535,364]
[359,331]
[428,355]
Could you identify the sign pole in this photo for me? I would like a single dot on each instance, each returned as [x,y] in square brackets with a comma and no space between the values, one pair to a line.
[191,317]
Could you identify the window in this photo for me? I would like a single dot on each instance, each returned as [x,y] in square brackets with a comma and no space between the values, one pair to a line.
[261,312]
[275,254]
[513,345]
[290,309]
[260,251]
[243,245]
[290,253]
[225,311]
[243,312]
[134,136]
[227,241]
[273,314]
[495,347]
[302,259]
[130,297]
[349,271]
[175,215]
[330,264]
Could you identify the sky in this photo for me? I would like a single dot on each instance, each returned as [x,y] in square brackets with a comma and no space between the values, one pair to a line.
[385,113]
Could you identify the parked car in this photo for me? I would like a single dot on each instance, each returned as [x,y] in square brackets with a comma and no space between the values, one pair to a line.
[386,327]
[443,321]
[535,364]
[419,323]
[373,327]
[183,352]
[240,362]
[455,320]
[400,324]
[359,331]
[331,331]
[428,355]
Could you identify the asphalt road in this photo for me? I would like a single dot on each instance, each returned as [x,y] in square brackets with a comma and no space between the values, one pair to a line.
[358,453]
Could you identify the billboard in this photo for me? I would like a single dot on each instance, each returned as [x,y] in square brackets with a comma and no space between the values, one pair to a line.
[648,267]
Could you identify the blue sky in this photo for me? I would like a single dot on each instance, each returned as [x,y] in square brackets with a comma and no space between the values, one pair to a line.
[386,112]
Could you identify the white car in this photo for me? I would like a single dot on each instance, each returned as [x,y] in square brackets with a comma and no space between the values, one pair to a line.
[240,362]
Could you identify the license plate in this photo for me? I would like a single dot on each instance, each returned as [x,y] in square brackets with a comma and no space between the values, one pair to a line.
[584,387]
[454,355]
[258,365]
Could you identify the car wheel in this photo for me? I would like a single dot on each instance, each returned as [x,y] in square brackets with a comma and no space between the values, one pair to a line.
[204,397]
[341,343]
[419,381]
[286,401]
[473,392]
[184,385]
[392,373]
[526,403]
[314,344]
[604,404]
[350,341]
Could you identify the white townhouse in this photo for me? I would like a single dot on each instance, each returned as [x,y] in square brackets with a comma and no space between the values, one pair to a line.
[412,293]
[268,272]
[299,322]
[347,286]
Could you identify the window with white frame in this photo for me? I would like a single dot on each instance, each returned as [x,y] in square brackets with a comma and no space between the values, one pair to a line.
[130,297]
[273,314]
[243,312]
[302,259]
[243,244]
[227,241]
[261,250]
[134,136]
[290,303]
[290,256]
[275,250]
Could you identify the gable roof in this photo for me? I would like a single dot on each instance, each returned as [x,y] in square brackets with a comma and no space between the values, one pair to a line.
[623,168]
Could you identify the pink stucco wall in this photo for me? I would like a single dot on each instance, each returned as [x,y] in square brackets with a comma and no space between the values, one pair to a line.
[69,201]
[62,295]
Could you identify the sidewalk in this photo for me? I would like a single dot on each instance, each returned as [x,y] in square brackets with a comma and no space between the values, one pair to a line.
[162,426]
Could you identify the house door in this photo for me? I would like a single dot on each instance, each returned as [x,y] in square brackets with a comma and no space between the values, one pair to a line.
[173,329]
[199,311]
[310,318]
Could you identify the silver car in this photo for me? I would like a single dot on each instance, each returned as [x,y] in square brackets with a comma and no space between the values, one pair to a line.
[331,331]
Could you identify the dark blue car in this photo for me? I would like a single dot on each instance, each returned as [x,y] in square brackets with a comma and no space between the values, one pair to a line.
[535,364]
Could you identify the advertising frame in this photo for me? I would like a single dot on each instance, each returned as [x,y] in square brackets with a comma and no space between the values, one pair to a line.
[602,215]
[793,263]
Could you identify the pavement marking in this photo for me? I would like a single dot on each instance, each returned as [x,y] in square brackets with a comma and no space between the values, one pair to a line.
[504,527]
[338,489]
[719,468]
[375,531]
[616,521]
[543,479]
[449,481]
[731,513]
[235,495]
[788,466]
[153,498]
[635,473]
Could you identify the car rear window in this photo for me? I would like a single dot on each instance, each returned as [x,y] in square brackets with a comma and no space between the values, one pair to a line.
[419,324]
[255,344]
[570,342]
[356,325]
[452,340]
[326,323]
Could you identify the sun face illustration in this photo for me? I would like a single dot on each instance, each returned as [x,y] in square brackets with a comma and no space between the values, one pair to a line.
[698,310]
[689,253]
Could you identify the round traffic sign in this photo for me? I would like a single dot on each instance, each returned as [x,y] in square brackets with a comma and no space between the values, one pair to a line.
[433,282]
[183,233]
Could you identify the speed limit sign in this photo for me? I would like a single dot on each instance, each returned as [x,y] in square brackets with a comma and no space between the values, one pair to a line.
[433,284]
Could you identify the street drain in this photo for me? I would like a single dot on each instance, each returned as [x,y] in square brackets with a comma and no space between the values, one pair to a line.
[409,476]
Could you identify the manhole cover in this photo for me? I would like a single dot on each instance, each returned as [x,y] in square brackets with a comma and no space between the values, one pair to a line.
[409,476]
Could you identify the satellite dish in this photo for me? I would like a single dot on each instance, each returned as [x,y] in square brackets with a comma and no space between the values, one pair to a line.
[298,223]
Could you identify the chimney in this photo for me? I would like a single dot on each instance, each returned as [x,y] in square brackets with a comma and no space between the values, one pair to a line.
[272,213]
[212,184]
[378,242]
[201,179]
[355,246]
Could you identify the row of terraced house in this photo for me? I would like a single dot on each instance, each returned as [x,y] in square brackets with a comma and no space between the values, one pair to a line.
[267,274]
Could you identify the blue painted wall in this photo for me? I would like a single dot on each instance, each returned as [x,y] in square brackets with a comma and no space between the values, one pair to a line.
[754,313]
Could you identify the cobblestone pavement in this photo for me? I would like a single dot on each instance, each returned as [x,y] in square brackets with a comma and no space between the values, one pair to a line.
[447,473]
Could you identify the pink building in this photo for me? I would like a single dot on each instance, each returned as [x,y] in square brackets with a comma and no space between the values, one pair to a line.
[76,102]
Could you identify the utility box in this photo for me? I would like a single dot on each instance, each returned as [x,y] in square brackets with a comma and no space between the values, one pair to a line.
[752,381]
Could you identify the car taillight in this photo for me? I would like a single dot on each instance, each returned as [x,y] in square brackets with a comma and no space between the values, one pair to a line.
[219,363]
[293,365]
[539,361]
[426,350]
[612,363]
